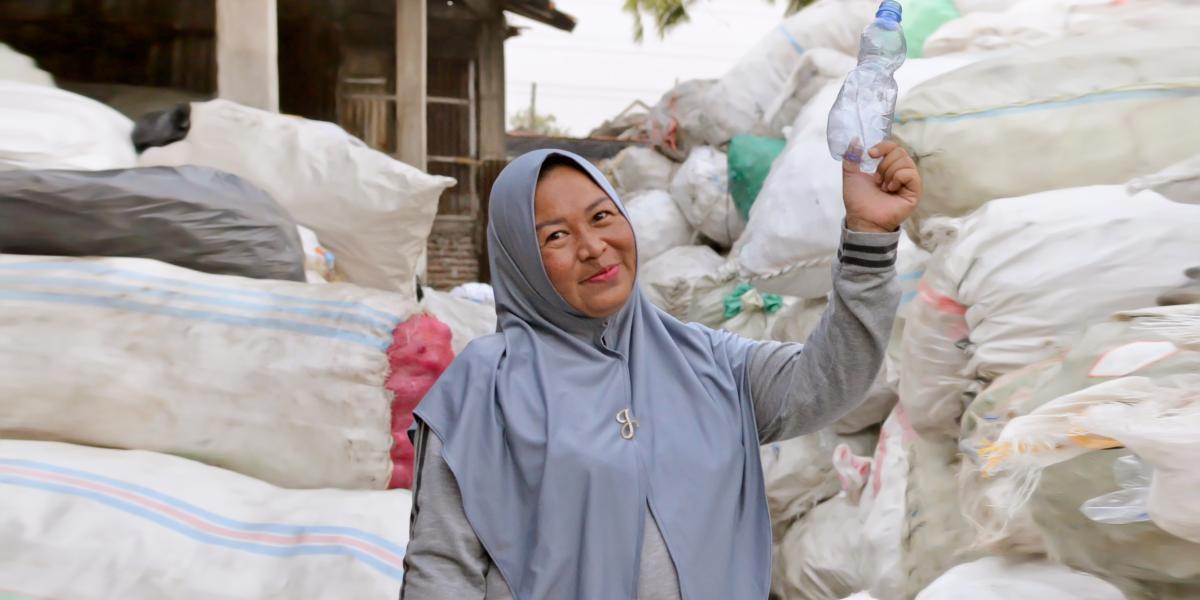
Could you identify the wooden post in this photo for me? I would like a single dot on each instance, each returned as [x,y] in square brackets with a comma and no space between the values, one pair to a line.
[493,122]
[248,53]
[411,65]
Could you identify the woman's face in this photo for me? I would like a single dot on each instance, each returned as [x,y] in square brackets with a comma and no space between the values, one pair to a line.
[587,245]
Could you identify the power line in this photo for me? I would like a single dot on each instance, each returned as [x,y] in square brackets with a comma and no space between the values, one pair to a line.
[581,48]
[587,87]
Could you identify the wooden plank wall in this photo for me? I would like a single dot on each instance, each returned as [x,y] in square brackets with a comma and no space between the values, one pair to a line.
[135,42]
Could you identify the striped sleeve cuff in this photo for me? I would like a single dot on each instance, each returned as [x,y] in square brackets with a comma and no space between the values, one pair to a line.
[869,252]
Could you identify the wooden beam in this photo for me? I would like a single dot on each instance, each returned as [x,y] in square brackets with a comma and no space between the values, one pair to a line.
[492,122]
[411,65]
[248,53]
[483,9]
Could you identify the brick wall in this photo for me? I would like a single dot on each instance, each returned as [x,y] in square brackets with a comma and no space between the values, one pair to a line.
[453,252]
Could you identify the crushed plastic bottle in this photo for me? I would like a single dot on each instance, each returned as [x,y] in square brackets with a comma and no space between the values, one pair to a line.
[862,115]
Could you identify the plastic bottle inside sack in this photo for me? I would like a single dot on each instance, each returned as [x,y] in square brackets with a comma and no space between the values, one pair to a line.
[862,115]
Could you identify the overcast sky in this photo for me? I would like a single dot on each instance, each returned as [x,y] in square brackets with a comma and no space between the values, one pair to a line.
[589,75]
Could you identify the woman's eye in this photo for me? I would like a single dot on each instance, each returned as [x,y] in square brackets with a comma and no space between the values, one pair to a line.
[557,235]
[600,216]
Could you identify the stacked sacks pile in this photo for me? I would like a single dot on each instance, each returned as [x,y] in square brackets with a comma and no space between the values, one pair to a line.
[730,156]
[1026,255]
[162,310]
[1016,287]
[1017,284]
[1096,453]
[375,213]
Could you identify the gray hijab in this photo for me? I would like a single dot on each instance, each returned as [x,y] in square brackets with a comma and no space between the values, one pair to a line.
[528,419]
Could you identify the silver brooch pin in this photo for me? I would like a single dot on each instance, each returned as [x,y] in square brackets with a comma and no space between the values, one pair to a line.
[628,424]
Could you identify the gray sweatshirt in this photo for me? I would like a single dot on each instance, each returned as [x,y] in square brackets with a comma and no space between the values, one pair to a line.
[795,388]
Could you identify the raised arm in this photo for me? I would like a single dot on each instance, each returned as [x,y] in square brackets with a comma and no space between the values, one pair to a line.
[800,388]
[797,389]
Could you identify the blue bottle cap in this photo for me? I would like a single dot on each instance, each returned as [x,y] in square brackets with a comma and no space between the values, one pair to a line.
[890,10]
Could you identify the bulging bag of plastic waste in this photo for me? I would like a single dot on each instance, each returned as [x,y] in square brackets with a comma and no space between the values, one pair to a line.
[995,578]
[1017,285]
[750,159]
[657,222]
[799,473]
[701,189]
[1105,124]
[466,319]
[1128,387]
[641,169]
[1026,23]
[48,128]
[984,501]
[194,217]
[679,121]
[174,528]
[670,280]
[748,97]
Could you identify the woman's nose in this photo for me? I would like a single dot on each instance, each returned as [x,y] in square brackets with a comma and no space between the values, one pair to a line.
[590,246]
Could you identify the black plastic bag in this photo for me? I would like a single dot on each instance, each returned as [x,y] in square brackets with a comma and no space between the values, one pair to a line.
[193,217]
[162,127]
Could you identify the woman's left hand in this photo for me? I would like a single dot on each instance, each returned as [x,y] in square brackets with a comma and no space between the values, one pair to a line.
[880,202]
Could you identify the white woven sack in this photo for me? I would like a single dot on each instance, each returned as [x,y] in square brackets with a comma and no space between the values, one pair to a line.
[882,509]
[1111,107]
[817,558]
[466,319]
[853,541]
[374,212]
[701,189]
[679,121]
[658,224]
[15,66]
[43,127]
[799,473]
[742,98]
[638,169]
[93,524]
[967,7]
[283,381]
[669,279]
[995,578]
[1033,22]
[1024,277]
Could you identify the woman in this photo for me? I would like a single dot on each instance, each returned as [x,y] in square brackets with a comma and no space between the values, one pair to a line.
[597,448]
